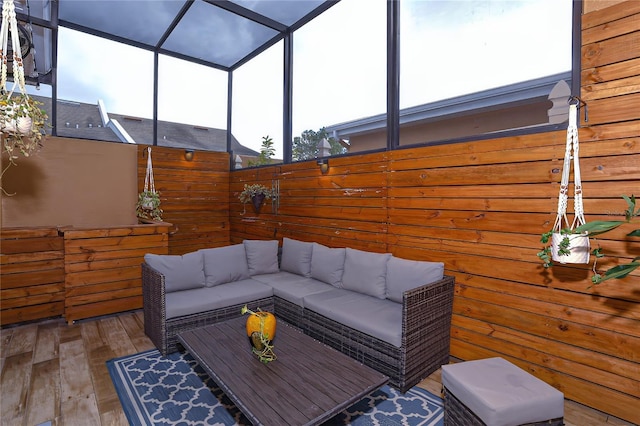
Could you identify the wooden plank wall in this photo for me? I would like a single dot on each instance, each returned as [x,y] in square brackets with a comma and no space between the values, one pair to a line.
[480,207]
[32,274]
[194,195]
[102,268]
[346,207]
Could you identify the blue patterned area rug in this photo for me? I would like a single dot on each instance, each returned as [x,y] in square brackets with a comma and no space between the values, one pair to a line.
[175,390]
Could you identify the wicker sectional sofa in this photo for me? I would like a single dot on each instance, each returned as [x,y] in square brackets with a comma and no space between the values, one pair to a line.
[389,313]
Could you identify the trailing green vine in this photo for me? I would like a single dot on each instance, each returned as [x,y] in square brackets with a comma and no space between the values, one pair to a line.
[563,249]
[23,125]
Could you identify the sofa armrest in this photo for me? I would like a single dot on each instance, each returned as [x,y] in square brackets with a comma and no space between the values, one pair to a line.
[425,304]
[154,306]
[426,325]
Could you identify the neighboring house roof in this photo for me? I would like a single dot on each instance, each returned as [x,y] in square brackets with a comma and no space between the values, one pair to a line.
[499,97]
[87,121]
[78,120]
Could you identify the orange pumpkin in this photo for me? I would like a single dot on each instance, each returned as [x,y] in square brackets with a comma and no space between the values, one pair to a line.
[254,324]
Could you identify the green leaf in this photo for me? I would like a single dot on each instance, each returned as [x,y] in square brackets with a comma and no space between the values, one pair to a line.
[598,227]
[618,272]
[631,203]
[621,271]
[635,233]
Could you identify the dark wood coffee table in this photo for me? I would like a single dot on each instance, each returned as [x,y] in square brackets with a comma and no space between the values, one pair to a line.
[308,384]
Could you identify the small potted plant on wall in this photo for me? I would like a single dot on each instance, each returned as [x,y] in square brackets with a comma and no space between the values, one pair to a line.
[255,193]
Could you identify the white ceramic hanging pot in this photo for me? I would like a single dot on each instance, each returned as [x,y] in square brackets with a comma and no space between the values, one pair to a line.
[10,125]
[23,126]
[147,203]
[578,246]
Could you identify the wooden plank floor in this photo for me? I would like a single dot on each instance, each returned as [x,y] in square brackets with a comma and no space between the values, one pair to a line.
[56,372]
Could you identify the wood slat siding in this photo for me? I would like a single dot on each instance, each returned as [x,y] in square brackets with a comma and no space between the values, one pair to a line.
[194,195]
[102,267]
[480,208]
[31,274]
[346,207]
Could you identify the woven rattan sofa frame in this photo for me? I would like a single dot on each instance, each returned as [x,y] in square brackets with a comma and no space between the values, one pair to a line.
[426,323]
[163,332]
[456,413]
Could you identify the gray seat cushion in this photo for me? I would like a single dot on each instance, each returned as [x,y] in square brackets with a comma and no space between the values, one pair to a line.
[292,287]
[380,318]
[501,393]
[204,299]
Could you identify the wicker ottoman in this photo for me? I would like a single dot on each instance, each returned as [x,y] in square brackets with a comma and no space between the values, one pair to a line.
[495,392]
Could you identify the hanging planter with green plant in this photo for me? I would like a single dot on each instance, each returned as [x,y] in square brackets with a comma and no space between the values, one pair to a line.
[148,206]
[566,246]
[570,243]
[22,121]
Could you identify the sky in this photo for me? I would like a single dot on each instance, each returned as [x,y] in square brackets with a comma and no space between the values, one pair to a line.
[448,48]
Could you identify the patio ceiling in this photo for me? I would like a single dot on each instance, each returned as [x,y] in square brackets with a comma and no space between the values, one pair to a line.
[219,33]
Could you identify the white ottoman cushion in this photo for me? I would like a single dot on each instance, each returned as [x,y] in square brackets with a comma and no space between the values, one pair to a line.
[502,394]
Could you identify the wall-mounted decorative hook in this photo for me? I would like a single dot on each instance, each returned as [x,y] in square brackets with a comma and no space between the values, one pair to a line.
[575,100]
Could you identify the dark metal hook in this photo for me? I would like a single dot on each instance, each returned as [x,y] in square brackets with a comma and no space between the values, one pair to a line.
[580,103]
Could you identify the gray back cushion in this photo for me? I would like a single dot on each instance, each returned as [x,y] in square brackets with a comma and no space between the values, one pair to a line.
[296,257]
[366,272]
[225,264]
[403,275]
[180,272]
[327,264]
[262,256]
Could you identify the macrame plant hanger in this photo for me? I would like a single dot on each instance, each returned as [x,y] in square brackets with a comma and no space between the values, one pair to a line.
[567,247]
[150,197]
[148,206]
[149,184]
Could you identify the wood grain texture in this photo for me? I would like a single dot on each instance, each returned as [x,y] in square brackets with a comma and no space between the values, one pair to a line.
[194,196]
[32,274]
[477,206]
[102,267]
[16,376]
[309,381]
[480,207]
[43,401]
[25,382]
